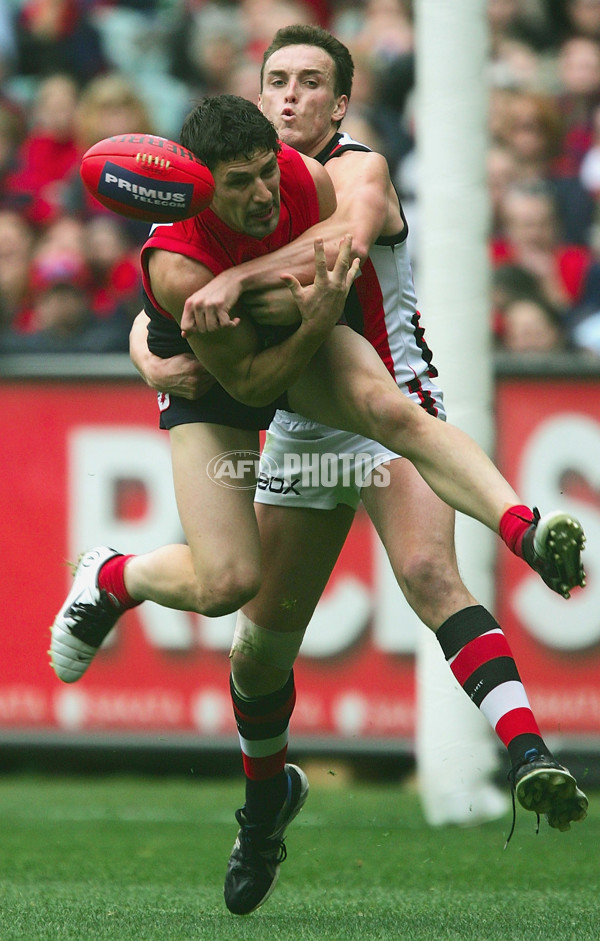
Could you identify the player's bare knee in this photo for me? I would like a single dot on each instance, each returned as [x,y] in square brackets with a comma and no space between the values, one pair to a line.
[227,591]
[389,415]
[432,587]
[261,659]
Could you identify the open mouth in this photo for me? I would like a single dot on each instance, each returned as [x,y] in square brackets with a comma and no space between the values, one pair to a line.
[264,215]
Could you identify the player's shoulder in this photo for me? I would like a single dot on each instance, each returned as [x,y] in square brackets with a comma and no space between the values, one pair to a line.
[342,154]
[288,157]
[347,160]
[341,144]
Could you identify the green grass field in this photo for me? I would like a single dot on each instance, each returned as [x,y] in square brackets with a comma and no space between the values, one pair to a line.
[143,859]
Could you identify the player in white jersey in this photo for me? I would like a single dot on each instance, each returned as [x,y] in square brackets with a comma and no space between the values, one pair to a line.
[305,87]
[382,306]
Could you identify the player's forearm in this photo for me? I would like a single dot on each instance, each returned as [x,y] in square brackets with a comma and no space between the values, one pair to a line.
[272,371]
[364,199]
[138,345]
[298,257]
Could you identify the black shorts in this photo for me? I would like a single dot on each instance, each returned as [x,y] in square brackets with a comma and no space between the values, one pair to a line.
[215,406]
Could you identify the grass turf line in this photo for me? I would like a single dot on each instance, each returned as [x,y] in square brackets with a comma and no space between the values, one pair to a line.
[144,859]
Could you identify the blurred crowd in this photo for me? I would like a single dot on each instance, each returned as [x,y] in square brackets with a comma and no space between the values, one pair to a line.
[75,71]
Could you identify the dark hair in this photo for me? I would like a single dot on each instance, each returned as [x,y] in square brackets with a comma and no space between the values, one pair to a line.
[225,128]
[301,35]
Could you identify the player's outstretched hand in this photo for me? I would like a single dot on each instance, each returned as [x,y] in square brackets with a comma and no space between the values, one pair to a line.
[321,303]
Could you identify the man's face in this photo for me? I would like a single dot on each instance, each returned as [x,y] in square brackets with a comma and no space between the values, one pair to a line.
[298,97]
[529,221]
[247,194]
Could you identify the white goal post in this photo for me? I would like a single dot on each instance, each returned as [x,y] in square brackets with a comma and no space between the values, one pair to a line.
[456,751]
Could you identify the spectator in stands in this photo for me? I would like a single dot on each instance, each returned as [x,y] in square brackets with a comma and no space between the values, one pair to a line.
[510,283]
[579,78]
[531,128]
[108,105]
[12,132]
[589,171]
[381,29]
[16,249]
[112,261]
[98,256]
[261,18]
[49,152]
[511,20]
[63,237]
[58,36]
[366,120]
[532,325]
[502,172]
[583,17]
[531,238]
[204,44]
[62,321]
[244,79]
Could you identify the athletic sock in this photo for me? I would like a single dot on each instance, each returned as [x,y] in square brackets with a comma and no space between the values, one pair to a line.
[263,732]
[480,658]
[513,525]
[111,579]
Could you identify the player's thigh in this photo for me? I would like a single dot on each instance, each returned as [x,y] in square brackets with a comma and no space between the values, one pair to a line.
[300,547]
[216,509]
[347,386]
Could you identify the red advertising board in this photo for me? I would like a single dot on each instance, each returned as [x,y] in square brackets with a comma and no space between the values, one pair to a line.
[84,464]
[549,448]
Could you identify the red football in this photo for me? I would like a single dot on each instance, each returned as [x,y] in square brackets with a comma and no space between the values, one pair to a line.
[146,177]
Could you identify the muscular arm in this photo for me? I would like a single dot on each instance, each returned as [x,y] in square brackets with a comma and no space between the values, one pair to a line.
[367,207]
[250,374]
[180,375]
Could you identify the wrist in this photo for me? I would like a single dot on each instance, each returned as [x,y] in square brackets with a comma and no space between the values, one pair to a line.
[310,327]
[313,333]
[243,278]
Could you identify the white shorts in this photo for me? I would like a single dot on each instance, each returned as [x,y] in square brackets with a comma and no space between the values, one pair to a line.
[305,464]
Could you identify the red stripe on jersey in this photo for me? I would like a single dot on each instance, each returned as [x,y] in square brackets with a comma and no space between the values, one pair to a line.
[477,652]
[368,292]
[259,769]
[516,722]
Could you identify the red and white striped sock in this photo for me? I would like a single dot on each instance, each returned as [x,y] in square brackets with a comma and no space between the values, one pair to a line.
[263,732]
[480,658]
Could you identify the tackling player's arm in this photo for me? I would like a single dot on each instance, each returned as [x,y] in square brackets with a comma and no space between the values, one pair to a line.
[180,375]
[250,374]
